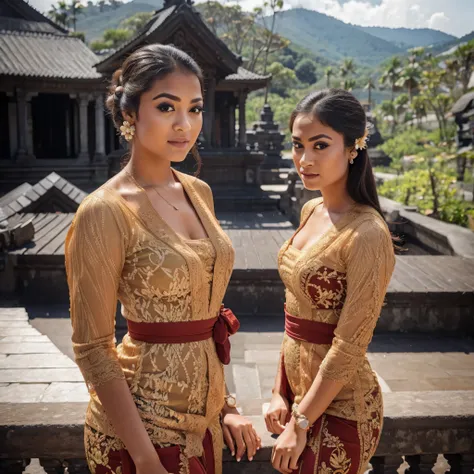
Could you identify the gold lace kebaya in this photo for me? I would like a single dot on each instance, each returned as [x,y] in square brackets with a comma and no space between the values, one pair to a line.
[340,281]
[116,252]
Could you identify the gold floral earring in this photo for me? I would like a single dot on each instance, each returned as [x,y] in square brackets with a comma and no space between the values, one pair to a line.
[127,130]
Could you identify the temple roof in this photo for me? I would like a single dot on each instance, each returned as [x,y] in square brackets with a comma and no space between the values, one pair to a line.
[51,194]
[31,45]
[171,25]
[463,103]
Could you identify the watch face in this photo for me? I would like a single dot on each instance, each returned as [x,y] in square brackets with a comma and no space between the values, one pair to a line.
[231,401]
[303,424]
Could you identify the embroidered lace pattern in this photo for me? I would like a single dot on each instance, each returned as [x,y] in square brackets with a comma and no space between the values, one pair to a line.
[341,280]
[114,252]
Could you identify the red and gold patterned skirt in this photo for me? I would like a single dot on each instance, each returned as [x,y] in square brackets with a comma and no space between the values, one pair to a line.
[335,447]
[105,456]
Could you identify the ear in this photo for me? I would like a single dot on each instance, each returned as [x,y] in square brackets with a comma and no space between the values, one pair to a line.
[351,153]
[130,118]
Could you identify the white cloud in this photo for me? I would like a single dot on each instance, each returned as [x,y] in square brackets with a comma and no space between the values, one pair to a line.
[454,17]
[439,21]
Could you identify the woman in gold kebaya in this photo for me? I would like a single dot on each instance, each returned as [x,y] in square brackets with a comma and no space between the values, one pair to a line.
[327,403]
[149,238]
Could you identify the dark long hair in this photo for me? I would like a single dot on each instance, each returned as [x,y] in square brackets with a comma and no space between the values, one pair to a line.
[138,74]
[340,110]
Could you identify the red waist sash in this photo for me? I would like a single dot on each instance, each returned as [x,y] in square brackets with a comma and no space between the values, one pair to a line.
[219,328]
[309,331]
[299,329]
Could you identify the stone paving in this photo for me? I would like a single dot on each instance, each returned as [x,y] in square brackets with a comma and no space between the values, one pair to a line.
[32,368]
[36,365]
[36,361]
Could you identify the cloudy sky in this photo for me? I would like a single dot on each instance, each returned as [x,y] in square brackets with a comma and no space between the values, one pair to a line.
[453,16]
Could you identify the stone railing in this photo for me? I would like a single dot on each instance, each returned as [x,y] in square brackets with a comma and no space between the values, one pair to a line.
[419,427]
[447,239]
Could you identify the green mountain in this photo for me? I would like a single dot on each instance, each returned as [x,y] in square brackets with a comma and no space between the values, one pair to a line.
[408,37]
[447,48]
[93,22]
[332,38]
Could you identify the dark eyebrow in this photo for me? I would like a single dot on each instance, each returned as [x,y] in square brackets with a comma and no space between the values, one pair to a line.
[313,139]
[175,98]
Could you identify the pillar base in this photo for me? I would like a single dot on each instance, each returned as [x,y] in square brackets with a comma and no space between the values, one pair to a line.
[24,158]
[99,158]
[83,159]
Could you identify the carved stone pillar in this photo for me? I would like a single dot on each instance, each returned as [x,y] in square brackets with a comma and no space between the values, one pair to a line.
[242,121]
[25,127]
[83,101]
[99,129]
[12,125]
[210,101]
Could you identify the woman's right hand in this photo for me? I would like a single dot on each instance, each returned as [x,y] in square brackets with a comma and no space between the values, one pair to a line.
[277,414]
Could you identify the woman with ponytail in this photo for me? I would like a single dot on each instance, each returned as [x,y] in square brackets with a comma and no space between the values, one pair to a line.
[327,403]
[149,238]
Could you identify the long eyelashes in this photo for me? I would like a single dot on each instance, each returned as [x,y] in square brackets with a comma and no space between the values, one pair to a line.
[166,108]
[317,146]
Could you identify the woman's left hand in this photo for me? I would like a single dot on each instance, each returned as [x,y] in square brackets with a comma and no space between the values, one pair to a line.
[240,435]
[288,448]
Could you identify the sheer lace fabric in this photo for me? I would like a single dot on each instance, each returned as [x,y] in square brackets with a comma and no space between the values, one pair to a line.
[341,280]
[115,253]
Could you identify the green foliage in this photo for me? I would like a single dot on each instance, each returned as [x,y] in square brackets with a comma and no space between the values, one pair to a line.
[283,79]
[66,12]
[117,37]
[136,22]
[408,143]
[288,61]
[78,34]
[306,71]
[430,184]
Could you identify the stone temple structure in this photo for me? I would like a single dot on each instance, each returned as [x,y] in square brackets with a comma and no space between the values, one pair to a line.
[52,90]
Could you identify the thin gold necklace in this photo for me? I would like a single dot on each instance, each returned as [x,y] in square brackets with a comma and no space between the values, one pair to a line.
[162,197]
[152,187]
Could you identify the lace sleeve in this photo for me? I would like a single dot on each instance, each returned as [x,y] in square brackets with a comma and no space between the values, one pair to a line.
[308,208]
[370,262]
[206,193]
[95,253]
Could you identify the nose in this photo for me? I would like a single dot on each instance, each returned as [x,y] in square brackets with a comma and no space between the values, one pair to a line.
[182,123]
[305,161]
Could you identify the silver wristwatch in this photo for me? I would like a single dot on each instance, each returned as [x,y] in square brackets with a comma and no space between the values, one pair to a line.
[230,401]
[300,419]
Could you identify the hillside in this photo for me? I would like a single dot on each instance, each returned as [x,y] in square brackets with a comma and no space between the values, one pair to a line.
[326,36]
[93,23]
[408,37]
[449,47]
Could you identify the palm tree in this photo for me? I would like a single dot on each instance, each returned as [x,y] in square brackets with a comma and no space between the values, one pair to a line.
[101,5]
[75,9]
[391,74]
[401,105]
[349,84]
[369,86]
[387,109]
[465,56]
[59,14]
[419,108]
[410,79]
[328,72]
[347,68]
[416,54]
